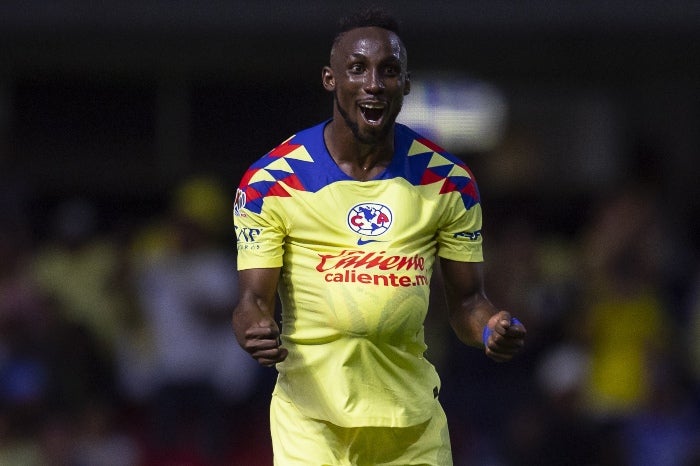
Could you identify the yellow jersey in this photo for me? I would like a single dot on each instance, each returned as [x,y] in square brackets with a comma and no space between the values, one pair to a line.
[356,260]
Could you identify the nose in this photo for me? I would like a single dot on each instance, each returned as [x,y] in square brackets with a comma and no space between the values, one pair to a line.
[374,83]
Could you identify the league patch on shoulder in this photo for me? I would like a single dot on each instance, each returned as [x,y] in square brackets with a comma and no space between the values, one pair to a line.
[470,235]
[239,203]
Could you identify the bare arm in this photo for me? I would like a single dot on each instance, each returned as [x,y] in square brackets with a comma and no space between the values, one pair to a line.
[254,317]
[470,311]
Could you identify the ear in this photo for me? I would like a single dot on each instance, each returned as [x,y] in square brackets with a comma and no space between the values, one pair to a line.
[407,84]
[327,78]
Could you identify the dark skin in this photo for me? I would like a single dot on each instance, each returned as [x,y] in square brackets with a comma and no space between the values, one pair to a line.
[368,77]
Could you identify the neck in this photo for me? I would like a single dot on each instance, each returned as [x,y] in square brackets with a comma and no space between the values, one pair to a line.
[359,160]
[346,145]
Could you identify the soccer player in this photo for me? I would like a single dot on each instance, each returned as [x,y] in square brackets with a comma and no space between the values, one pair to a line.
[346,220]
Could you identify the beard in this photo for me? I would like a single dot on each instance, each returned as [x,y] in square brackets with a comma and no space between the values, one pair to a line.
[368,137]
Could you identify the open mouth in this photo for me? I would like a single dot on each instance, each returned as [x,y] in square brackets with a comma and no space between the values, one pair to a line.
[372,112]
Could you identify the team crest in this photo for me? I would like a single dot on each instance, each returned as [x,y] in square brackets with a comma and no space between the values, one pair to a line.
[370,219]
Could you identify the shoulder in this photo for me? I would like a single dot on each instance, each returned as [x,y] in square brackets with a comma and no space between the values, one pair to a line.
[293,165]
[275,164]
[308,140]
[415,143]
[428,163]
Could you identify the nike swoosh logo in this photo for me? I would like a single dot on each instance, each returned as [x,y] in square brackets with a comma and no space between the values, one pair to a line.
[362,242]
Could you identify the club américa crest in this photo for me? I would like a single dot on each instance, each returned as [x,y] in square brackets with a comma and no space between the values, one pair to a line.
[370,219]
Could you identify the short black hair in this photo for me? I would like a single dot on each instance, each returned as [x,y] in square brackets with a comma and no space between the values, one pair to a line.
[371,16]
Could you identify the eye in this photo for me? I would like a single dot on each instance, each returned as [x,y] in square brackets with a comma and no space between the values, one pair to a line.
[356,68]
[392,69]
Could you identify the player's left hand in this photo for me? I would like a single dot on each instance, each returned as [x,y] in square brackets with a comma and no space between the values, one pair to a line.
[505,337]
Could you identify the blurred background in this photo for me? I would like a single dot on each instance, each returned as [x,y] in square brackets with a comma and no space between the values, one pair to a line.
[125,127]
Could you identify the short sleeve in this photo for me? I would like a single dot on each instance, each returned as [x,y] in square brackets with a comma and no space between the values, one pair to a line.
[459,237]
[259,236]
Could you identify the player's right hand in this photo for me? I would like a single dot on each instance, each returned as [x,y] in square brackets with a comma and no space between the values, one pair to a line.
[263,343]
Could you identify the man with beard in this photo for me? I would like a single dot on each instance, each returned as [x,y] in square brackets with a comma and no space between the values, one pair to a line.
[346,220]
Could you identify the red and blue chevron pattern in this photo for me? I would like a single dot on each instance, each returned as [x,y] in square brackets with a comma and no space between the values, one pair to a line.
[302,163]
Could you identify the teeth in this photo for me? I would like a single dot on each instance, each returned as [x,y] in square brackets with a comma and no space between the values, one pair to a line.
[372,111]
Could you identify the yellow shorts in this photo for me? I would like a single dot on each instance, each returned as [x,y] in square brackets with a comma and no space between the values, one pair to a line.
[300,441]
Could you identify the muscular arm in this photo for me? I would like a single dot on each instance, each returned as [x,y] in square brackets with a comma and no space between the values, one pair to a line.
[254,317]
[470,311]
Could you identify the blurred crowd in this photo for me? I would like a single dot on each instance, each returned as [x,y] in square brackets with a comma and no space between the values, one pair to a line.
[116,346]
[115,343]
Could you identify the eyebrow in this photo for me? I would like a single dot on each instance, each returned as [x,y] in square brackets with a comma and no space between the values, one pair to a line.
[391,57]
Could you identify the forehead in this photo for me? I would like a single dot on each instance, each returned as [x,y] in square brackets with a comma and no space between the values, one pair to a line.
[369,41]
